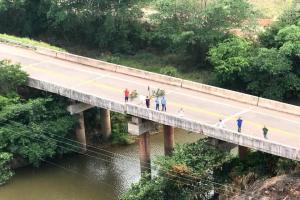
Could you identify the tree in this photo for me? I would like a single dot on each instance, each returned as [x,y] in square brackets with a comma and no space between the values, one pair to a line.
[264,72]
[5,172]
[34,129]
[186,175]
[230,59]
[186,27]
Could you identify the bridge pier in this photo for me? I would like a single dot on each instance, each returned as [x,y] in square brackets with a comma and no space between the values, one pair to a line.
[80,132]
[144,153]
[105,123]
[168,140]
[243,152]
[142,128]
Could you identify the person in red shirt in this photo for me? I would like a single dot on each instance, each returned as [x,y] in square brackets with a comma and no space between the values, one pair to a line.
[126,92]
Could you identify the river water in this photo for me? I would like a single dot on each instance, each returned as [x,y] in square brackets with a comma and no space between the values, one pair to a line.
[82,177]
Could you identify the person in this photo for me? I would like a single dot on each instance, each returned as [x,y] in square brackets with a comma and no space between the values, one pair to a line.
[221,124]
[239,122]
[126,92]
[181,112]
[157,103]
[148,102]
[164,104]
[265,132]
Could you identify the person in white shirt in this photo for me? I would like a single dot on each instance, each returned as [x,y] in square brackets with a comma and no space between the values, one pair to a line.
[221,124]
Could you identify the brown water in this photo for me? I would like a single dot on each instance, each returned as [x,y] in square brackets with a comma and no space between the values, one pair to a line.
[80,177]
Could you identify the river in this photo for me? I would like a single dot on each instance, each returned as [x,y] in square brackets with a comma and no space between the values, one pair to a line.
[82,177]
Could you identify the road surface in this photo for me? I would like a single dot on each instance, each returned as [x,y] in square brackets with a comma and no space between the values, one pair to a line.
[283,128]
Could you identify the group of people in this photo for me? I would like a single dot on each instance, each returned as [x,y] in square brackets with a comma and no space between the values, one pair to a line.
[239,123]
[162,101]
[159,101]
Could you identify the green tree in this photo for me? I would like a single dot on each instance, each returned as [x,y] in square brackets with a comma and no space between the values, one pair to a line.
[186,175]
[264,72]
[230,59]
[11,77]
[5,172]
[186,27]
[35,128]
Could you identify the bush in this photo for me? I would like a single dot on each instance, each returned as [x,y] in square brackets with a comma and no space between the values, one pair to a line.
[5,172]
[169,70]
[119,130]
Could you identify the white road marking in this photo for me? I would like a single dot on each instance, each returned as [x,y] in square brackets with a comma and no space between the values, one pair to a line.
[238,113]
[235,115]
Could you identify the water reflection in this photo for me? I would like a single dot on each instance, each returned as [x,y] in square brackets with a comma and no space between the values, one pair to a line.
[78,177]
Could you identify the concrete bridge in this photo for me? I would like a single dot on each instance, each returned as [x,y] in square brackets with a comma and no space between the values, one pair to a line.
[101,84]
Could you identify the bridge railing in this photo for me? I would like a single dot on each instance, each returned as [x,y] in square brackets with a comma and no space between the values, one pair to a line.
[171,120]
[220,92]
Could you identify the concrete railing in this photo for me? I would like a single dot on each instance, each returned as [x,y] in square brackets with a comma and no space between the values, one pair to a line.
[220,92]
[171,120]
[278,106]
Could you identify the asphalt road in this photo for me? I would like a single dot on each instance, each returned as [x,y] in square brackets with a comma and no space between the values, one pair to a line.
[283,128]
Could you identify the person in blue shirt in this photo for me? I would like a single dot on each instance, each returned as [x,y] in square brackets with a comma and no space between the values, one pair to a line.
[239,122]
[157,103]
[164,104]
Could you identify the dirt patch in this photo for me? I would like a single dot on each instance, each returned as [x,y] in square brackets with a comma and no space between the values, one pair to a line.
[285,187]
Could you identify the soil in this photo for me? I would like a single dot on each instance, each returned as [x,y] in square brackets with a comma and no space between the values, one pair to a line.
[284,187]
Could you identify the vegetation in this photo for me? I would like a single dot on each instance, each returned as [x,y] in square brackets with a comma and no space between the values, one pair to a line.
[119,130]
[31,128]
[29,41]
[268,67]
[188,174]
[5,172]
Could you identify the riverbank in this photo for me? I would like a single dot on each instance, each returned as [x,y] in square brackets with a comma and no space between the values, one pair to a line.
[80,177]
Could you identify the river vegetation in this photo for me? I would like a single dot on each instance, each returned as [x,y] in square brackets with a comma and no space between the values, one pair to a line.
[202,171]
[33,126]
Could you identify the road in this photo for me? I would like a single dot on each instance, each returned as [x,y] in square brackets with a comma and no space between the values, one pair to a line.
[283,128]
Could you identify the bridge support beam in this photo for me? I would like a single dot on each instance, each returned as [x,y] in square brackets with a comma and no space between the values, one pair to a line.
[215,142]
[144,152]
[243,152]
[168,140]
[105,123]
[142,128]
[80,132]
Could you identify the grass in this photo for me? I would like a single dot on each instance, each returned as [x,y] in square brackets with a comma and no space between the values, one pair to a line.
[29,41]
[271,8]
[144,60]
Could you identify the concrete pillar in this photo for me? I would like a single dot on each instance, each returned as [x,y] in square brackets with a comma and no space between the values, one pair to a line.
[80,132]
[168,140]
[105,123]
[215,142]
[243,152]
[144,152]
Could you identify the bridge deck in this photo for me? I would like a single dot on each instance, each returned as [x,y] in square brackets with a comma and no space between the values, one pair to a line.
[283,128]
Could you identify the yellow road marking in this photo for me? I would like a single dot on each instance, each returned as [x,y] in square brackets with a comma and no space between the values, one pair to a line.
[118,90]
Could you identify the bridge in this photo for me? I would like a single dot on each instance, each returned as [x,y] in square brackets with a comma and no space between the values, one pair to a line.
[101,84]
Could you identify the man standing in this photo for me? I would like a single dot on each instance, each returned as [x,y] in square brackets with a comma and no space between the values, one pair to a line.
[239,122]
[164,104]
[265,132]
[148,102]
[221,124]
[157,103]
[126,92]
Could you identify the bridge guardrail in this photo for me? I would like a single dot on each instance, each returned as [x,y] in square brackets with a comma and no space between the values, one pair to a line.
[278,106]
[228,94]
